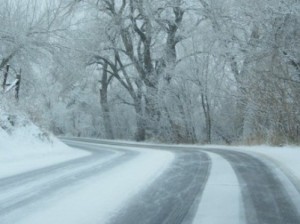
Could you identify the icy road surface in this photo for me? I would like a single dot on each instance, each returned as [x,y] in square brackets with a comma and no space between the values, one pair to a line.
[126,183]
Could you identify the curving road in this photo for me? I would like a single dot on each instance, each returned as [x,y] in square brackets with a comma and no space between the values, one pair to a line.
[20,191]
[266,195]
[172,197]
[266,198]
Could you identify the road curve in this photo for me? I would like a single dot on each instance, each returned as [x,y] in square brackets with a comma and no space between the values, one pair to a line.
[265,197]
[172,197]
[22,190]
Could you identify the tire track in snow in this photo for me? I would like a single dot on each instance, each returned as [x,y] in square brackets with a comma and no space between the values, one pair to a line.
[20,195]
[170,199]
[265,197]
[221,202]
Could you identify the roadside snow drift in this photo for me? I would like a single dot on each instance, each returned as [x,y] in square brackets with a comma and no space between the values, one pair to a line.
[24,147]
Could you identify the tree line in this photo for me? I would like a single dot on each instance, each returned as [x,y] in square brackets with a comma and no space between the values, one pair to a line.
[180,71]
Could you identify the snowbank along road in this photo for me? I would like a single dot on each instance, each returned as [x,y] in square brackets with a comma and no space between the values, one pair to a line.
[126,183]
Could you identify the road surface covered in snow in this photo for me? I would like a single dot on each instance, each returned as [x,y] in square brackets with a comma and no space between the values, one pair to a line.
[266,196]
[127,183]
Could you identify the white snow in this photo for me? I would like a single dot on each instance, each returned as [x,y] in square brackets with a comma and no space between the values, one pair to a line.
[11,85]
[16,159]
[36,185]
[221,200]
[286,158]
[24,147]
[98,199]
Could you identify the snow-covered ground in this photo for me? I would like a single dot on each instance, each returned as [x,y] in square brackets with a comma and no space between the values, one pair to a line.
[24,147]
[286,158]
[222,189]
[108,192]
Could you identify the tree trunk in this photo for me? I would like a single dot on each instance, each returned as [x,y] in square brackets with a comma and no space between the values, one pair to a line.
[153,113]
[140,134]
[206,109]
[5,77]
[104,104]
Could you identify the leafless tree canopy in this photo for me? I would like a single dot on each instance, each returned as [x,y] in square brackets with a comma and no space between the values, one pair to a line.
[179,71]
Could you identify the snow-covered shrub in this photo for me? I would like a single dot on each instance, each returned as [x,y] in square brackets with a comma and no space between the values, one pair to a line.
[21,129]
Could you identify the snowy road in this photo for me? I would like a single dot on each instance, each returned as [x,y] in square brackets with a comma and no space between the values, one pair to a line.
[126,183]
[22,190]
[267,194]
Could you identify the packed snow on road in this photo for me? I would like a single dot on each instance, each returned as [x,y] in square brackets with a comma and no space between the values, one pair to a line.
[42,180]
